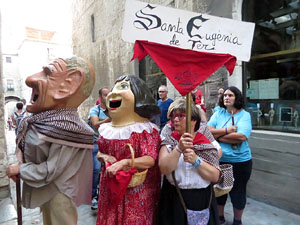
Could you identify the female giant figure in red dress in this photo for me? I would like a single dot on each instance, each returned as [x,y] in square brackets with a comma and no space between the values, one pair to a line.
[130,106]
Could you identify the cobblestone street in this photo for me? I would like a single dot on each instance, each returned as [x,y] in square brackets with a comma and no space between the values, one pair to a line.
[256,213]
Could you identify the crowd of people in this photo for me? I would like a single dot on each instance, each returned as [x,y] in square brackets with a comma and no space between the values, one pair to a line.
[144,167]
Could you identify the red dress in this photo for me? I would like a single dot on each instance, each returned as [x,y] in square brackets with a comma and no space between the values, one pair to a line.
[139,203]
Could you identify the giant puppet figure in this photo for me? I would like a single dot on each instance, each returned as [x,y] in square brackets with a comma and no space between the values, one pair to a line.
[130,106]
[55,144]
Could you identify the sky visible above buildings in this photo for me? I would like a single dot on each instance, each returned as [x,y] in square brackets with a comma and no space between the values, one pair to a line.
[50,15]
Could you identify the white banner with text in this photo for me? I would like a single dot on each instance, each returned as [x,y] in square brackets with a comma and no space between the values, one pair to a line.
[187,30]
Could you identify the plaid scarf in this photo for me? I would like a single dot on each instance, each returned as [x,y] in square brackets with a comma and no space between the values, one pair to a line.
[62,126]
[202,146]
[204,149]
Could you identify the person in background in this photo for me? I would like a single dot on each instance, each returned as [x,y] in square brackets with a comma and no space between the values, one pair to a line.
[18,115]
[220,95]
[231,126]
[9,123]
[163,103]
[201,111]
[199,98]
[96,118]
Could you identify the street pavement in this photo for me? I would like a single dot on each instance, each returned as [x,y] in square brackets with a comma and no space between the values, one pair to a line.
[255,213]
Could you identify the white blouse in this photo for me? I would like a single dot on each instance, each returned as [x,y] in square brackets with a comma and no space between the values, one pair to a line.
[186,175]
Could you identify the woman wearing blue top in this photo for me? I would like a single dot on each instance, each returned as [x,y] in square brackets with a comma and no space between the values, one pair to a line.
[231,126]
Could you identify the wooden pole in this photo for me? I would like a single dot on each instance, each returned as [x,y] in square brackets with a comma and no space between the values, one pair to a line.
[19,206]
[188,112]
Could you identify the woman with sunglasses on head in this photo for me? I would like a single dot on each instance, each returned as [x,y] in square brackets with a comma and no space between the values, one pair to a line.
[194,159]
[231,126]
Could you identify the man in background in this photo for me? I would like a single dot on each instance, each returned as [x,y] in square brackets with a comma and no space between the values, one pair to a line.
[97,117]
[163,103]
[18,115]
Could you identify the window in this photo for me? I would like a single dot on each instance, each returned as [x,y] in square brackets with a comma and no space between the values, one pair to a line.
[272,76]
[51,54]
[8,59]
[10,85]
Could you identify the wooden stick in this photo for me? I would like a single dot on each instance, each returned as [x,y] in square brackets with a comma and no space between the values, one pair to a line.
[19,206]
[188,112]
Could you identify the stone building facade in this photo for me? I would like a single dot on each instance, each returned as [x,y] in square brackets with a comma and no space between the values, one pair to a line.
[96,35]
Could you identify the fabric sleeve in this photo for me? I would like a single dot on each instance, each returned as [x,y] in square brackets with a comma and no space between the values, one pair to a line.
[58,158]
[216,145]
[169,148]
[150,144]
[213,120]
[165,136]
[207,133]
[94,111]
[244,125]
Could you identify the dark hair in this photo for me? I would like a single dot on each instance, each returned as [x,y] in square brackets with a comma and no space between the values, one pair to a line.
[193,97]
[101,89]
[19,105]
[179,105]
[144,104]
[239,99]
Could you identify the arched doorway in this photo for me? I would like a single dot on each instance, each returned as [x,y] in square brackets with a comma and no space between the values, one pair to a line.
[12,98]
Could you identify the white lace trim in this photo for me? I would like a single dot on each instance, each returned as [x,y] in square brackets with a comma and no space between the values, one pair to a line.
[107,131]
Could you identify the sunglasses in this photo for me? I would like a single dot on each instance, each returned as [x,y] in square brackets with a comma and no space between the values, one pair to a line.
[162,91]
[180,116]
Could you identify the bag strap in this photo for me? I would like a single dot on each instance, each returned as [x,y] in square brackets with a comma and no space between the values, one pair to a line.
[210,198]
[179,193]
[181,198]
[99,111]
[227,121]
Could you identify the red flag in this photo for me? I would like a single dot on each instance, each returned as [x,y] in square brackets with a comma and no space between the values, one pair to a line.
[186,69]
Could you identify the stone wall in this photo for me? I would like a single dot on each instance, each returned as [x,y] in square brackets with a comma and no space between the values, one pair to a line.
[111,55]
[108,53]
[4,181]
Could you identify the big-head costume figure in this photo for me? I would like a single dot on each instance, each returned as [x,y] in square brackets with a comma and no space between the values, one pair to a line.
[55,144]
[130,105]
